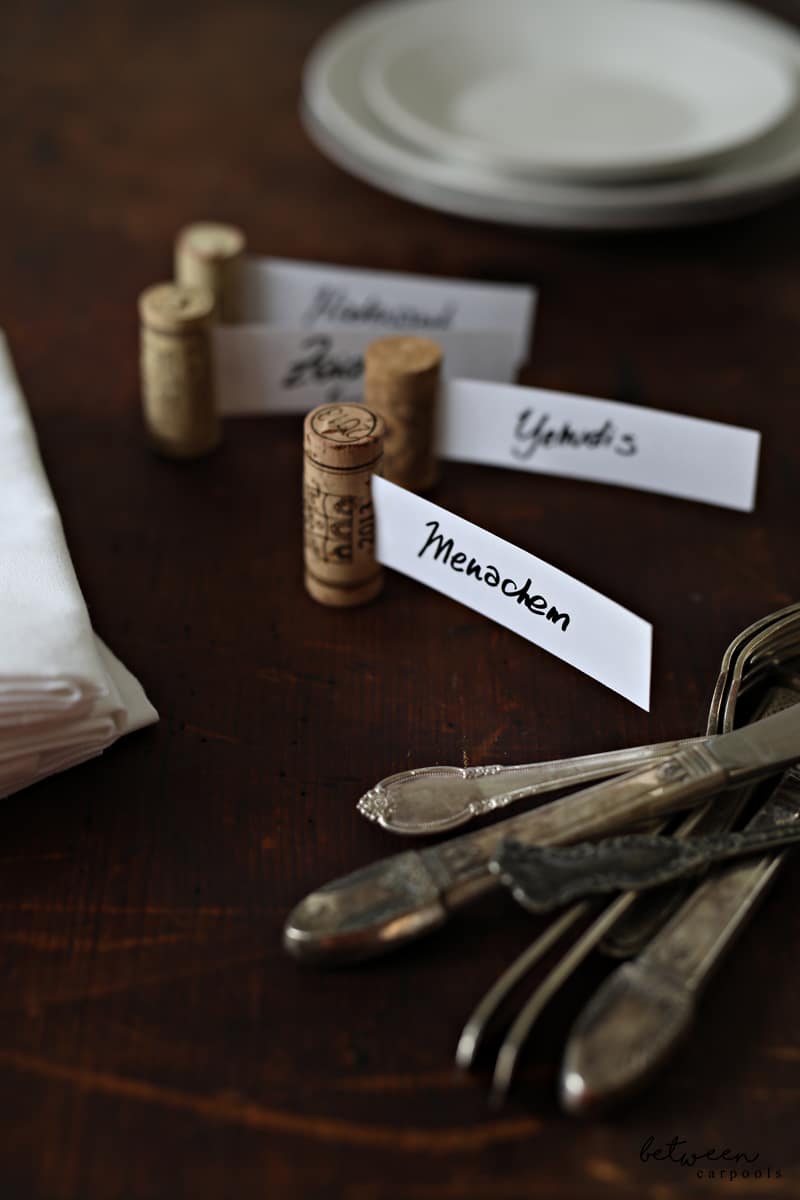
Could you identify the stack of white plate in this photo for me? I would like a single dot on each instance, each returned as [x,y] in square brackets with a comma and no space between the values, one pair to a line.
[583,114]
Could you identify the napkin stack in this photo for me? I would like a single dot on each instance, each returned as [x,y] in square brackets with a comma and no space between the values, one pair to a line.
[64,697]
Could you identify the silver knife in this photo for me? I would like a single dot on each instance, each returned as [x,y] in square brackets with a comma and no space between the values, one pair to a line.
[398,898]
[641,1011]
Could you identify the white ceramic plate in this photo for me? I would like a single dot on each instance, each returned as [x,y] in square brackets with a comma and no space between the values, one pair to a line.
[339,119]
[582,89]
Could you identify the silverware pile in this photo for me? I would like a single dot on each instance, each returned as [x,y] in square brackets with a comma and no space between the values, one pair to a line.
[669,939]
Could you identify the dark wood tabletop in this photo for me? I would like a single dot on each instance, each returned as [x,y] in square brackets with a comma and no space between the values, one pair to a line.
[155,1040]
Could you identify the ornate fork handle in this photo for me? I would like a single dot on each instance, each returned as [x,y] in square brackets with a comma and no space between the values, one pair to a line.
[429,800]
[545,877]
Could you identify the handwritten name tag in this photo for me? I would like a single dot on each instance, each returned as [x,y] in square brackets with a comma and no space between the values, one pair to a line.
[301,295]
[554,433]
[514,588]
[261,369]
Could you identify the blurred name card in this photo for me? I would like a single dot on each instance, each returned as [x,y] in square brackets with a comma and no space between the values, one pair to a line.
[514,588]
[268,370]
[298,295]
[554,433]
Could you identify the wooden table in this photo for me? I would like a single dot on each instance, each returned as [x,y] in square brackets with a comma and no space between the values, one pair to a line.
[155,1041]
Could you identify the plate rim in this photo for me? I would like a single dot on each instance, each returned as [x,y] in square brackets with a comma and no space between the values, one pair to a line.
[430,137]
[440,186]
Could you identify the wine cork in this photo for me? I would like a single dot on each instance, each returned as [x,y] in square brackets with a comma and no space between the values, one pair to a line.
[176,370]
[209,255]
[343,449]
[401,383]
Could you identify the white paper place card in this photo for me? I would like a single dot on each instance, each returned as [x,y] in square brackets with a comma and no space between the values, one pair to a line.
[554,433]
[514,588]
[299,295]
[260,369]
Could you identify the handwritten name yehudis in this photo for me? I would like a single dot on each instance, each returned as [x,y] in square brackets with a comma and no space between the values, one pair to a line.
[555,433]
[443,549]
[531,435]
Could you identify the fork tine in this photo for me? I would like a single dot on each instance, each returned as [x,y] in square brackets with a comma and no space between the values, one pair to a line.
[474,1031]
[520,1030]
[477,1024]
[525,1021]
[733,679]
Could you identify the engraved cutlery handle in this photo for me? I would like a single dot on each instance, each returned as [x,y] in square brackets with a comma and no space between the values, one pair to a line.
[542,878]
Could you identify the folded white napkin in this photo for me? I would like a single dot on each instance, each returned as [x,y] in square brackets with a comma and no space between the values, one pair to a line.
[64,697]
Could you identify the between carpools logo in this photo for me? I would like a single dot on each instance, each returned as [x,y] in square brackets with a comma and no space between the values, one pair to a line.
[714,1164]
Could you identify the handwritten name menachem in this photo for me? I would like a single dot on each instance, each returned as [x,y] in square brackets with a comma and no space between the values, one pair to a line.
[443,550]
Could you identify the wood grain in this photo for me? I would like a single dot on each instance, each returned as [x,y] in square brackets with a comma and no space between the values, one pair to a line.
[154,1040]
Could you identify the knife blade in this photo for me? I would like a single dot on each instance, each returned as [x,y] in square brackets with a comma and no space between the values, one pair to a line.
[399,898]
[643,1009]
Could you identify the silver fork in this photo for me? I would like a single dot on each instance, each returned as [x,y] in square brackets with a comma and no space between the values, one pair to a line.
[747,661]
